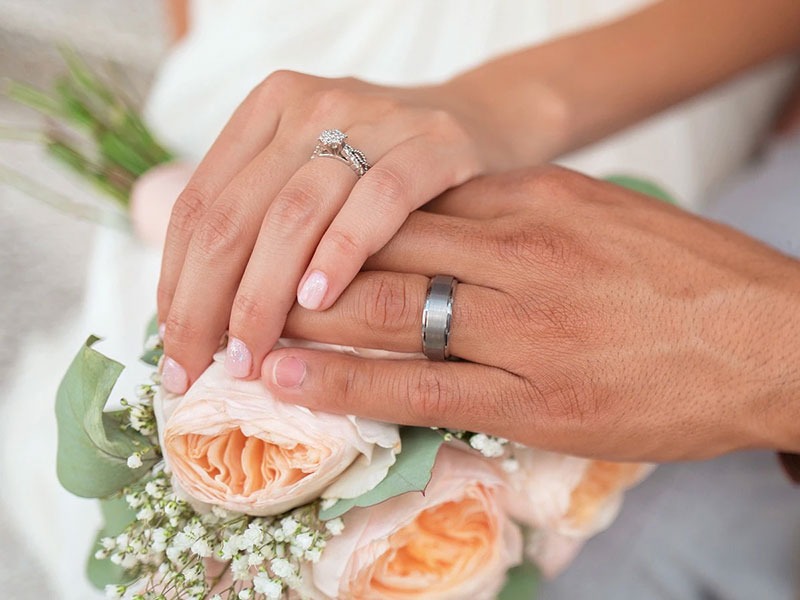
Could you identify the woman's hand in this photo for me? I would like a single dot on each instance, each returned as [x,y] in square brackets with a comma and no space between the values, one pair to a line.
[594,320]
[260,224]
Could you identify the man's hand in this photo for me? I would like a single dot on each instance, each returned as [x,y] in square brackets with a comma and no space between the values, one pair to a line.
[591,320]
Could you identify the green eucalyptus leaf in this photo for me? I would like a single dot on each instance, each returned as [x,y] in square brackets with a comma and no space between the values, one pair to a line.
[93,446]
[117,515]
[522,583]
[643,186]
[410,473]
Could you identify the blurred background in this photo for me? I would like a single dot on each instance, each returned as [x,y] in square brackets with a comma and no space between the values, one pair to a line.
[44,253]
[46,256]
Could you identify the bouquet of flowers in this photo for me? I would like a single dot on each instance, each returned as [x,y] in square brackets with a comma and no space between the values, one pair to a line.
[227,493]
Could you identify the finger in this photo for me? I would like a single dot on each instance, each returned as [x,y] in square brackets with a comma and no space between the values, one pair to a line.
[431,244]
[384,310]
[249,130]
[486,197]
[379,204]
[291,229]
[216,259]
[409,392]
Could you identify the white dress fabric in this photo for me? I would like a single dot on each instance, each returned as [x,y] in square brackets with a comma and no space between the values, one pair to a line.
[234,44]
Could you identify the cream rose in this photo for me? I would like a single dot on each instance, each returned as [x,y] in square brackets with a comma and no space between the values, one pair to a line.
[452,542]
[228,442]
[570,496]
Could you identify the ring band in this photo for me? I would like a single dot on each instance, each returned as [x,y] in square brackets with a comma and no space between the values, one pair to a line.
[437,316]
[332,143]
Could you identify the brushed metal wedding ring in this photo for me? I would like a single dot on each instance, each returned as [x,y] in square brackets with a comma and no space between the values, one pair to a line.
[437,316]
[332,143]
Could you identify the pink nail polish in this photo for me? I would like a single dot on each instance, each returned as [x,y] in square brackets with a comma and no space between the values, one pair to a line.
[313,290]
[238,360]
[162,330]
[289,372]
[173,377]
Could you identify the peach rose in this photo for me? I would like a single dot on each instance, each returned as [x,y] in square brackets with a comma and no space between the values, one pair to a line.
[229,443]
[570,496]
[453,541]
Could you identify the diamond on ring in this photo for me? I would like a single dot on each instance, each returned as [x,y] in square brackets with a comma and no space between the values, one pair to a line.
[332,137]
[332,144]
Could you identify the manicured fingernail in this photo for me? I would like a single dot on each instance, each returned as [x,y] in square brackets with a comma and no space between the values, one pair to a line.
[173,377]
[162,330]
[289,372]
[238,360]
[313,290]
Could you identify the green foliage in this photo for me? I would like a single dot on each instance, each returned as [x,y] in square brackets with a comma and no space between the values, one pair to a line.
[94,446]
[642,186]
[410,473]
[117,515]
[92,129]
[522,583]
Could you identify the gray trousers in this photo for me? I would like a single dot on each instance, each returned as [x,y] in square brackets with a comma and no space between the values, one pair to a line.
[727,529]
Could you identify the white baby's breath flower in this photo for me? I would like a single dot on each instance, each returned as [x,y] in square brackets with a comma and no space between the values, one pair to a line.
[335,526]
[510,465]
[282,568]
[289,526]
[313,555]
[245,594]
[255,559]
[134,461]
[327,503]
[303,541]
[181,541]
[271,588]
[240,569]
[145,514]
[202,548]
[490,447]
[115,591]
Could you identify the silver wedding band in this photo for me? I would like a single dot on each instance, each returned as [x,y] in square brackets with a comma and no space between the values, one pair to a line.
[437,316]
[332,143]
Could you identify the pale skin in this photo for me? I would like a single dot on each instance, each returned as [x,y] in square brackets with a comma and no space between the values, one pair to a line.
[258,220]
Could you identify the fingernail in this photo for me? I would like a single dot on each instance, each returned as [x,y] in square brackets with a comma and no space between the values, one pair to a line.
[313,290]
[162,330]
[173,377]
[289,372]
[238,360]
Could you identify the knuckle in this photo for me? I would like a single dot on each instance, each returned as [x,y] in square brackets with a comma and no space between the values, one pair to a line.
[428,397]
[164,296]
[292,210]
[547,180]
[346,244]
[189,208]
[180,332]
[535,245]
[248,308]
[388,185]
[342,384]
[219,232]
[278,82]
[385,305]
[328,102]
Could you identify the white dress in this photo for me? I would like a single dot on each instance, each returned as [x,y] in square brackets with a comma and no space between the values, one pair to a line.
[232,45]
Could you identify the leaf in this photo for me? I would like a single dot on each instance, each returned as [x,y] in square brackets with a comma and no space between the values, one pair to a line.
[522,583]
[410,473]
[93,447]
[642,186]
[151,357]
[117,515]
